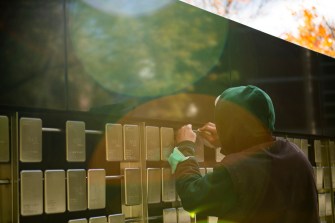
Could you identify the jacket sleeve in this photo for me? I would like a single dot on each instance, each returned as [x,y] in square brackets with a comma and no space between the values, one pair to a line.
[211,195]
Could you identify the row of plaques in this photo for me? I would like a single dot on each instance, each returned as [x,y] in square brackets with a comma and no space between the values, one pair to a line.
[122,141]
[73,190]
[115,218]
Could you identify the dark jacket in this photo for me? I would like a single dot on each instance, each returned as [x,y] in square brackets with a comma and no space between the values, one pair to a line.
[263,184]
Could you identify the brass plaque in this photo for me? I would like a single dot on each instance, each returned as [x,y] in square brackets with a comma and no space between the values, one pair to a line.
[131,142]
[154,185]
[54,191]
[116,218]
[168,186]
[114,142]
[31,192]
[152,143]
[169,215]
[30,140]
[76,190]
[75,141]
[202,171]
[4,139]
[199,150]
[132,193]
[82,220]
[167,142]
[96,188]
[101,219]
[317,151]
[183,216]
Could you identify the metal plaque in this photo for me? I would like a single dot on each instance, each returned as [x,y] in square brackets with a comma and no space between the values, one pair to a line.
[31,192]
[202,171]
[304,146]
[30,140]
[199,150]
[322,204]
[4,139]
[82,220]
[114,142]
[183,216]
[318,174]
[154,185]
[326,178]
[169,215]
[101,219]
[116,218]
[54,191]
[76,190]
[152,143]
[75,141]
[168,186]
[212,219]
[96,188]
[131,141]
[317,151]
[132,186]
[167,142]
[328,202]
[209,169]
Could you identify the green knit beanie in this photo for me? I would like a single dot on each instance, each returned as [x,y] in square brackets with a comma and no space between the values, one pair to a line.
[254,100]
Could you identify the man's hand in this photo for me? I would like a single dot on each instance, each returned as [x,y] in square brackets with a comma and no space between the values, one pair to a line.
[208,131]
[185,133]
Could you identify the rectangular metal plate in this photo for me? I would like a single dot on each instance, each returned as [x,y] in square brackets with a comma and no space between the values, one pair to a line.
[202,171]
[75,141]
[167,142]
[30,140]
[116,218]
[317,151]
[82,220]
[152,143]
[199,150]
[76,190]
[322,204]
[169,215]
[212,219]
[131,142]
[168,186]
[328,202]
[96,188]
[31,192]
[326,178]
[101,219]
[54,191]
[114,142]
[318,174]
[183,216]
[209,169]
[154,185]
[132,186]
[304,146]
[4,139]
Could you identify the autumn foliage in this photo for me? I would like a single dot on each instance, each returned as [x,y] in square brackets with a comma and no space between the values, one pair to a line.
[314,33]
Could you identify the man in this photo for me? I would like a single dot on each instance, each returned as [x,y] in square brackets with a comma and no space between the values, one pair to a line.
[260,180]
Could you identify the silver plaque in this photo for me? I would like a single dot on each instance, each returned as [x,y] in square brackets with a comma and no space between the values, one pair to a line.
[317,151]
[96,188]
[167,142]
[328,202]
[30,140]
[318,174]
[76,190]
[183,216]
[131,142]
[4,139]
[154,185]
[116,218]
[209,169]
[31,192]
[169,215]
[322,205]
[75,141]
[152,143]
[114,142]
[168,186]
[199,150]
[212,219]
[132,186]
[54,191]
[101,219]
[82,220]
